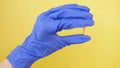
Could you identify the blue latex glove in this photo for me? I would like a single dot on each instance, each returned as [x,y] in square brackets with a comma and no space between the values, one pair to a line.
[43,40]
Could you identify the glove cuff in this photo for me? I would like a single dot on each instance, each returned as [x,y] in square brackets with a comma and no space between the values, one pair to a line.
[21,58]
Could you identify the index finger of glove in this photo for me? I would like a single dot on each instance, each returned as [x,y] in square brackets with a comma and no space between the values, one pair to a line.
[74,23]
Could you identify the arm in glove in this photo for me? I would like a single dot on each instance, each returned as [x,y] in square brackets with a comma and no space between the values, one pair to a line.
[43,40]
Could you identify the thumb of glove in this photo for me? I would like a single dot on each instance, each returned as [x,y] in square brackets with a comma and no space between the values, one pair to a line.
[75,39]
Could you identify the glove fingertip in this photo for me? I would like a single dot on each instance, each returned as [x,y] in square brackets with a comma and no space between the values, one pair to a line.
[91,23]
[86,38]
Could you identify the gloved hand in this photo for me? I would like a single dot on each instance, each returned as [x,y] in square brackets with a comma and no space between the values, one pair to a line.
[43,40]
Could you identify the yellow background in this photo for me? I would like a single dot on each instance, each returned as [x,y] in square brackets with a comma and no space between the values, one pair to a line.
[17,18]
